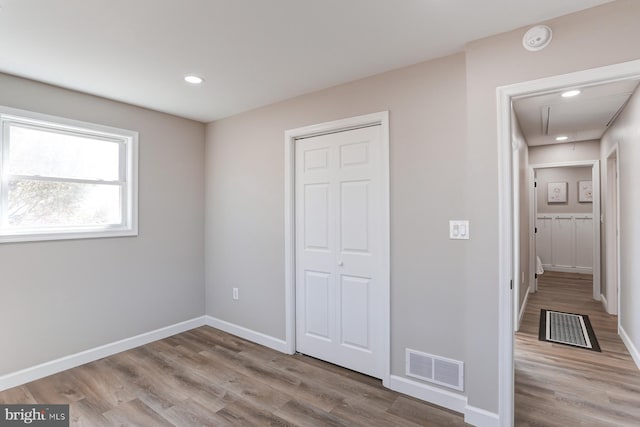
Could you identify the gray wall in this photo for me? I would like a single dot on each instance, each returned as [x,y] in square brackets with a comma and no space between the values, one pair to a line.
[62,297]
[245,204]
[443,165]
[443,131]
[566,152]
[570,175]
[624,132]
[499,61]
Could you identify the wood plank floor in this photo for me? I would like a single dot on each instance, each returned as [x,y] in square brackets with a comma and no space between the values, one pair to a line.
[558,385]
[206,377]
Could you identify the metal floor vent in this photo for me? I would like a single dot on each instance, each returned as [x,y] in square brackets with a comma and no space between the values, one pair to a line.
[435,369]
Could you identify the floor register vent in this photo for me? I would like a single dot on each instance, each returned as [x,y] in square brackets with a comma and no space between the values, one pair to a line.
[435,369]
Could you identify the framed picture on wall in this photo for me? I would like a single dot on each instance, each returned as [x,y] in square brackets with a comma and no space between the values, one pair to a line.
[557,192]
[585,191]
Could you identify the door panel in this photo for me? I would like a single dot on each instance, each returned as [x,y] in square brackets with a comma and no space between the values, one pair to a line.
[584,242]
[543,240]
[354,155]
[316,159]
[355,326]
[316,304]
[316,223]
[355,216]
[562,246]
[338,249]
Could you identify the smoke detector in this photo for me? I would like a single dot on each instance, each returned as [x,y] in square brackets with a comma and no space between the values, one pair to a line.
[537,38]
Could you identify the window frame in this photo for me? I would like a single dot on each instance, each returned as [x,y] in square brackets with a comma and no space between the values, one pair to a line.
[127,180]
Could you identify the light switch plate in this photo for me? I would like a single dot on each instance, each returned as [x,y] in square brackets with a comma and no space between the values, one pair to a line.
[459,229]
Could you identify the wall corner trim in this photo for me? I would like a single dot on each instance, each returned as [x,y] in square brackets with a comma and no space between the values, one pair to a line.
[248,334]
[633,350]
[480,417]
[23,376]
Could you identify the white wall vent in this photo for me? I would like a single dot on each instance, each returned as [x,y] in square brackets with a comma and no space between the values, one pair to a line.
[435,369]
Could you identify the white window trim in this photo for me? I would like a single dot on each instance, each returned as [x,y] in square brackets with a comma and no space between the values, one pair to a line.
[128,138]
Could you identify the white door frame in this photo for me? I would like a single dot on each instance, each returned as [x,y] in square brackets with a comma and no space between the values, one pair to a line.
[505,95]
[533,248]
[290,137]
[595,178]
[517,268]
[614,153]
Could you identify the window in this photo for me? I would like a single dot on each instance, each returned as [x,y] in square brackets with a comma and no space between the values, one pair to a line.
[64,179]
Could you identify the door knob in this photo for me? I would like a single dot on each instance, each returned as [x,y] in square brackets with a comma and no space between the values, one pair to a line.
[340,263]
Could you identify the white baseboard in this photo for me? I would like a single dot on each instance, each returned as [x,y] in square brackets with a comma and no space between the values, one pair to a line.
[42,370]
[454,401]
[568,269]
[248,334]
[446,399]
[480,417]
[523,307]
[633,350]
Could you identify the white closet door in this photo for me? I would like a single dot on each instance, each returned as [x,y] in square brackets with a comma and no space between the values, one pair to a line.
[543,240]
[584,242]
[562,250]
[338,249]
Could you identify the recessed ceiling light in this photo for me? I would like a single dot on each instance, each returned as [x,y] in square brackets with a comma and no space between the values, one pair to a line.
[193,79]
[562,138]
[571,93]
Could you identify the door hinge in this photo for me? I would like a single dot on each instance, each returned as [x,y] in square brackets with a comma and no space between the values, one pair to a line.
[536,275]
[535,184]
[535,230]
[511,284]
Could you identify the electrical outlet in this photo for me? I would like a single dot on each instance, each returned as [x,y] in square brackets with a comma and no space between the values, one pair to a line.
[235,293]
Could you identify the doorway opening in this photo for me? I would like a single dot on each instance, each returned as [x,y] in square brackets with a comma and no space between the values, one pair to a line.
[508,206]
[564,236]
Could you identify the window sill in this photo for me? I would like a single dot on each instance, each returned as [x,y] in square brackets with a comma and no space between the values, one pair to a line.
[70,235]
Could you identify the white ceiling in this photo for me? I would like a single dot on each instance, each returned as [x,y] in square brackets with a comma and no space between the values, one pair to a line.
[582,118]
[251,52]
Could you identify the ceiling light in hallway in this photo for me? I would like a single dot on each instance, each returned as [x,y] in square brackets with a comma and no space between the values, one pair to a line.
[571,93]
[193,79]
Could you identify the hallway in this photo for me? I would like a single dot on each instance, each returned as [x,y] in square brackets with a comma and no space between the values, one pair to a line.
[558,385]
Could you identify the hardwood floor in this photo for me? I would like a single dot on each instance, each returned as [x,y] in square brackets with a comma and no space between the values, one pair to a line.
[206,377]
[557,385]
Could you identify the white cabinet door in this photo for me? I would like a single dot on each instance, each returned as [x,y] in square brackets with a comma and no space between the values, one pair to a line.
[338,249]
[562,250]
[584,242]
[543,240]
[564,242]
